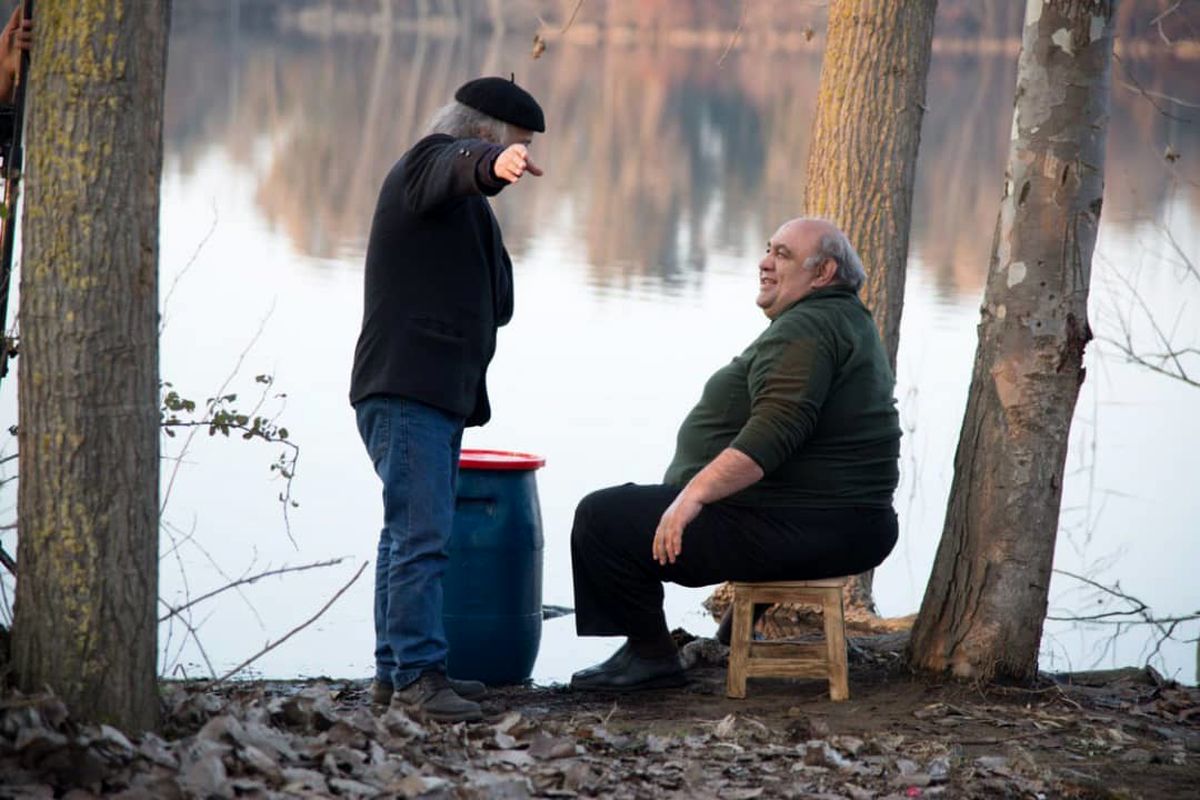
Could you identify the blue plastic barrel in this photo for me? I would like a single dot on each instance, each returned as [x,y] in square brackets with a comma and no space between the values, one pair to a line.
[493,583]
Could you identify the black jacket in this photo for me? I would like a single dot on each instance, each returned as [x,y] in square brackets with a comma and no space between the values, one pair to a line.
[438,280]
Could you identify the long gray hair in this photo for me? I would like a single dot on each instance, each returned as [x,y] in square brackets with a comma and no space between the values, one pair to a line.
[463,122]
[835,245]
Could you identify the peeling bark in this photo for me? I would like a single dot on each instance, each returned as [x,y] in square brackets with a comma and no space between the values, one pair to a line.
[985,604]
[88,397]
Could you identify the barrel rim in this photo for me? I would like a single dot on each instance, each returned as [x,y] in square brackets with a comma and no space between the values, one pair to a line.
[502,460]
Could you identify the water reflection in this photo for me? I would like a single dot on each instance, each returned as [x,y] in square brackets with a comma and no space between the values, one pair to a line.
[657,156]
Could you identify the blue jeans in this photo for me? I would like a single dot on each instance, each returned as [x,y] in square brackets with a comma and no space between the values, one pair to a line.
[414,448]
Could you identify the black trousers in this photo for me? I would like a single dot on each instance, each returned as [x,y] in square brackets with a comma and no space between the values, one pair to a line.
[618,584]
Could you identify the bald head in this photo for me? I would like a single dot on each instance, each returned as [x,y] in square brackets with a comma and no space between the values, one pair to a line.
[805,254]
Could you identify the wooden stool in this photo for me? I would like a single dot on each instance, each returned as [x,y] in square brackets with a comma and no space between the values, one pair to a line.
[750,659]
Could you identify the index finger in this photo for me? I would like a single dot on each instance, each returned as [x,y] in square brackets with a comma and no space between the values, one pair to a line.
[532,168]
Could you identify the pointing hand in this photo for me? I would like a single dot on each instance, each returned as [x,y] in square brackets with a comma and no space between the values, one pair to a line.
[514,162]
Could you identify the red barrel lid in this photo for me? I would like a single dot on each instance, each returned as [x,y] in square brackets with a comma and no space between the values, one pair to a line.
[499,459]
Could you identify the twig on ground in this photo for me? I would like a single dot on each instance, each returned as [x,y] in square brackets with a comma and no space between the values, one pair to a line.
[271,646]
[1014,738]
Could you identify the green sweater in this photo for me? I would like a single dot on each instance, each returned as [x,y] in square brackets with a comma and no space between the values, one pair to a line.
[810,400]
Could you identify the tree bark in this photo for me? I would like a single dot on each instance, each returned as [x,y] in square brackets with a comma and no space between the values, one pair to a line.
[88,396]
[985,604]
[863,158]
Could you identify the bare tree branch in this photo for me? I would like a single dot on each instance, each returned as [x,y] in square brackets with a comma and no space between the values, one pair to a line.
[237,367]
[736,33]
[1137,87]
[571,19]
[1157,21]
[1169,360]
[290,633]
[175,610]
[162,323]
[1137,614]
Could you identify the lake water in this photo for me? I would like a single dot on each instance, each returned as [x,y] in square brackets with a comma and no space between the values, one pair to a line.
[635,261]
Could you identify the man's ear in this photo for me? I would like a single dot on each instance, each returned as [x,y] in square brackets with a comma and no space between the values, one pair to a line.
[827,272]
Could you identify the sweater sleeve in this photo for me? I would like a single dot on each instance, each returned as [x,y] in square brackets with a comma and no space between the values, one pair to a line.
[789,379]
[439,168]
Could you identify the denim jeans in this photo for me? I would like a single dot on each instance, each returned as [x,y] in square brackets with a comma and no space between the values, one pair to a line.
[414,448]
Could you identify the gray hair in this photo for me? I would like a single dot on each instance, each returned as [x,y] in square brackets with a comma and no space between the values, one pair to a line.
[463,122]
[834,244]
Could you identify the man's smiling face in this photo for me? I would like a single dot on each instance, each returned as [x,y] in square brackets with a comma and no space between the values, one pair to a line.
[782,277]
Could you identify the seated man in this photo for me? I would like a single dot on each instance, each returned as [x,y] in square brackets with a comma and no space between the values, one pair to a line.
[784,470]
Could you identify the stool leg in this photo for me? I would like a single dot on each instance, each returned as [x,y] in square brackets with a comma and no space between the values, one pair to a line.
[835,643]
[739,644]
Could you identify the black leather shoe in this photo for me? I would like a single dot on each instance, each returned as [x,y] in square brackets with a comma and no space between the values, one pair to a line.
[633,674]
[616,661]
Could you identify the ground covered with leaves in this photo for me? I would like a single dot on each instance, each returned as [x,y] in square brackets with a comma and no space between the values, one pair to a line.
[1126,734]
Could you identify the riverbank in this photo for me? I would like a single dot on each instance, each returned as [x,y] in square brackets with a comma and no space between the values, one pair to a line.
[1127,734]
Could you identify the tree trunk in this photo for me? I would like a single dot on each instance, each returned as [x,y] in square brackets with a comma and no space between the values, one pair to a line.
[863,158]
[85,623]
[986,601]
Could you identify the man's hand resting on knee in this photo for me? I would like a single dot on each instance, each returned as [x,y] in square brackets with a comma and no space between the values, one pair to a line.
[730,472]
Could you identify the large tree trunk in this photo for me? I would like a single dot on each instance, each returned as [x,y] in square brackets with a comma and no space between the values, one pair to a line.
[986,601]
[85,621]
[863,158]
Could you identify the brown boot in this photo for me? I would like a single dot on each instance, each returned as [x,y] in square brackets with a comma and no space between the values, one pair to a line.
[381,692]
[431,695]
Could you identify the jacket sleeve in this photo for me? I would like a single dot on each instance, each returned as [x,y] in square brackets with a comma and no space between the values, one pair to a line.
[789,381]
[439,168]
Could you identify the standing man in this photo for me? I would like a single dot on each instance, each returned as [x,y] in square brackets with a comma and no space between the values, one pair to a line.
[438,285]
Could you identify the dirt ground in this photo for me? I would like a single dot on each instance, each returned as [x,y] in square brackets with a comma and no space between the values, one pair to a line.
[1117,735]
[1064,742]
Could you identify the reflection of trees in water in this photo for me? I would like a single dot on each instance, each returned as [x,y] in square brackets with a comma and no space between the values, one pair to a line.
[655,155]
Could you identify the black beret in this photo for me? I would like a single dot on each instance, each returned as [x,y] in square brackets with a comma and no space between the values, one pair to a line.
[504,100]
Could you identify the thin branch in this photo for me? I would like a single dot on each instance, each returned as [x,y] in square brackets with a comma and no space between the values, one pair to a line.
[736,33]
[1157,21]
[1138,614]
[229,579]
[1134,358]
[290,633]
[243,581]
[162,325]
[1170,354]
[1142,91]
[571,19]
[237,367]
[286,466]
[1183,257]
[1159,95]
